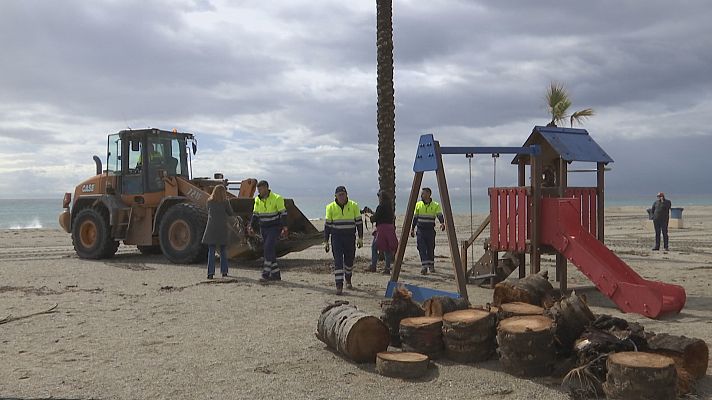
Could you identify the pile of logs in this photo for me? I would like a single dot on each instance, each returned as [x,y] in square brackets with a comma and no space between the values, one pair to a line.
[399,307]
[526,345]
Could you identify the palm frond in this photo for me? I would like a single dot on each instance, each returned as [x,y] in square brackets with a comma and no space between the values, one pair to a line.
[557,101]
[580,116]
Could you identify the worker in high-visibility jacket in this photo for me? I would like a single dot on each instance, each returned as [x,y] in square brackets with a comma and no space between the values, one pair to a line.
[343,221]
[270,214]
[426,211]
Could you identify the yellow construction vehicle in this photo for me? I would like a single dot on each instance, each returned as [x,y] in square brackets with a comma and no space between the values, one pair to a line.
[147,197]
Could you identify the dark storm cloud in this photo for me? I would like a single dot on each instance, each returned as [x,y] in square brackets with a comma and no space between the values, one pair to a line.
[294,82]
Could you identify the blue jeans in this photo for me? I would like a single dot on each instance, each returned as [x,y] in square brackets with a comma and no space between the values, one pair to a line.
[387,255]
[211,259]
[661,227]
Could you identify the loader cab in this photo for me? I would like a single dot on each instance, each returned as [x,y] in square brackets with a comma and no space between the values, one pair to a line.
[140,159]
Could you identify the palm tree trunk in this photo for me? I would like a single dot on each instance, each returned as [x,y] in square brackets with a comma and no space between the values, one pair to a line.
[386,117]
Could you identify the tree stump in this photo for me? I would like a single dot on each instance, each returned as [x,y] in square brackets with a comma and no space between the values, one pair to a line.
[422,335]
[691,357]
[405,365]
[526,345]
[571,316]
[469,335]
[533,289]
[638,375]
[353,333]
[518,309]
[393,311]
[437,306]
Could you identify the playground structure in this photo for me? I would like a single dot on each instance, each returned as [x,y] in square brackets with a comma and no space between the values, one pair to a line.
[546,217]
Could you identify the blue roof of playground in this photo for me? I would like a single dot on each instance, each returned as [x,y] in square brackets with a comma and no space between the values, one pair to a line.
[571,143]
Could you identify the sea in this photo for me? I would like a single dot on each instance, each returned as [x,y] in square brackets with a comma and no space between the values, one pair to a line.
[44,213]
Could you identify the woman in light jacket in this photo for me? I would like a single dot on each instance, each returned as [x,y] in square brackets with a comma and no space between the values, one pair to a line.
[216,230]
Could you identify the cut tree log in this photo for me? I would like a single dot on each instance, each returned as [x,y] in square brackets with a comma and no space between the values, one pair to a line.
[422,335]
[571,316]
[437,306]
[469,335]
[639,375]
[355,334]
[533,289]
[405,364]
[691,357]
[526,345]
[694,352]
[518,309]
[393,311]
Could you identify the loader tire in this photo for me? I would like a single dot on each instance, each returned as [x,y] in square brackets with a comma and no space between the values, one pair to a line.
[91,235]
[180,234]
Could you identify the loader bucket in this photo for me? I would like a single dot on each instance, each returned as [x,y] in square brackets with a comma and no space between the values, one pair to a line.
[302,234]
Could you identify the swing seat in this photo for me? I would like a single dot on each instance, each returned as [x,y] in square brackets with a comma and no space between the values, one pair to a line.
[420,294]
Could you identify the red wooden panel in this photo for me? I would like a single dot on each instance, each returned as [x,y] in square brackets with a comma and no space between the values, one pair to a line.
[512,200]
[593,214]
[494,219]
[522,219]
[585,198]
[503,219]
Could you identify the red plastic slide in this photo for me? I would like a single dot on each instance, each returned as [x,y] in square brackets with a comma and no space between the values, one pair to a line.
[562,230]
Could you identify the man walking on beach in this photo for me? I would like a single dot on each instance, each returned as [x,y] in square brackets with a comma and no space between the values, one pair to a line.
[426,211]
[343,221]
[661,217]
[270,214]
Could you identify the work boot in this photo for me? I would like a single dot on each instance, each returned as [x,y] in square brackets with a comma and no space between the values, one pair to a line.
[276,277]
[210,277]
[339,289]
[432,269]
[348,283]
[387,271]
[264,279]
[655,248]
[424,271]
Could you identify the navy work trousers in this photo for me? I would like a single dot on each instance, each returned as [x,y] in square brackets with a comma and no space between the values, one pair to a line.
[426,247]
[343,247]
[270,236]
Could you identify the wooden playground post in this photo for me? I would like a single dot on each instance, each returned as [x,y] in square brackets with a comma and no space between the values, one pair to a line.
[600,170]
[561,264]
[450,224]
[535,261]
[407,221]
[521,182]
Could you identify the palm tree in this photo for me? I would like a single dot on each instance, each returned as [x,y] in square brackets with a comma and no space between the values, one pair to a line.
[558,103]
[386,117]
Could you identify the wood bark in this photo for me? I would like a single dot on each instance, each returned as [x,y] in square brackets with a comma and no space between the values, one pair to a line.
[405,365]
[571,316]
[469,335]
[355,334]
[640,375]
[422,335]
[533,289]
[400,307]
[437,306]
[385,112]
[526,345]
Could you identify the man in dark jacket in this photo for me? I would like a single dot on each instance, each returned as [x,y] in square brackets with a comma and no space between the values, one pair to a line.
[661,217]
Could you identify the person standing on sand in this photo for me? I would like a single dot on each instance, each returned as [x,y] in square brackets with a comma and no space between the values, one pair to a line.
[661,217]
[270,214]
[343,221]
[216,230]
[384,238]
[426,211]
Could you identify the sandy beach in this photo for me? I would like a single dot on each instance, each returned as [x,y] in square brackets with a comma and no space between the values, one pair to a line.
[138,327]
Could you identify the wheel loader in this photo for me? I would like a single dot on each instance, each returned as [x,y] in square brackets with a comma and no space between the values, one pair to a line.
[146,196]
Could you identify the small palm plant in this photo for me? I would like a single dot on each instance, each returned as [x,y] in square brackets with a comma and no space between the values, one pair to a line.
[558,102]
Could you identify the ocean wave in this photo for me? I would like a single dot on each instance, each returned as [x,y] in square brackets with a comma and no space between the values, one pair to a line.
[34,224]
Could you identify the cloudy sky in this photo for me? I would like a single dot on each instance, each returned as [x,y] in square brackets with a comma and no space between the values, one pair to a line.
[285,90]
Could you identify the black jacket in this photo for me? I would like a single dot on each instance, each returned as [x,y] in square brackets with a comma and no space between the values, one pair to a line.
[661,210]
[383,215]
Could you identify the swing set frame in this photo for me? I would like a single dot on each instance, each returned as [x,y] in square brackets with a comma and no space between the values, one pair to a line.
[429,158]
